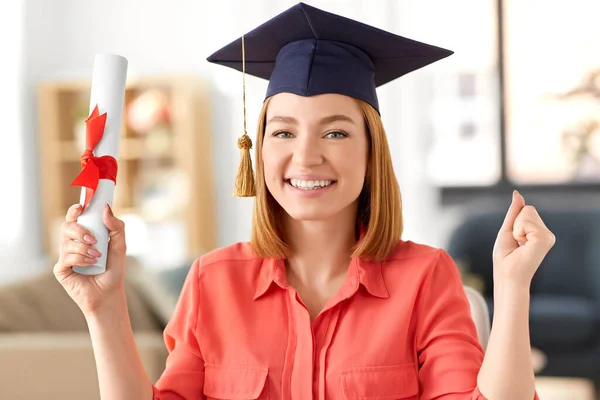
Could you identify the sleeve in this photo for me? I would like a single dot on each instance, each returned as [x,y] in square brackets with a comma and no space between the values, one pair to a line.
[449,352]
[183,377]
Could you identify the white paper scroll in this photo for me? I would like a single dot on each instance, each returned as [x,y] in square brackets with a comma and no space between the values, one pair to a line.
[108,92]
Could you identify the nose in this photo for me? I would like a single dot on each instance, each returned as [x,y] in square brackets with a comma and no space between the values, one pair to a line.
[307,152]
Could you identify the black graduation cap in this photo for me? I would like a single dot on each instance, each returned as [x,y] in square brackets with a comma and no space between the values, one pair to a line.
[308,51]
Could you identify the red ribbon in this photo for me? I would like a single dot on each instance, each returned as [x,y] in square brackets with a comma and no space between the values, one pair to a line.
[94,168]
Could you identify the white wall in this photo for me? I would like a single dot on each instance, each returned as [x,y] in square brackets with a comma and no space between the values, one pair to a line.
[12,172]
[62,36]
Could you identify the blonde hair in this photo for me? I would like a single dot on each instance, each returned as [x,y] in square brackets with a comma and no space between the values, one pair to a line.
[379,203]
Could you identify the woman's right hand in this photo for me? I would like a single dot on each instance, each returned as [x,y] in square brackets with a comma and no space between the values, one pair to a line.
[90,292]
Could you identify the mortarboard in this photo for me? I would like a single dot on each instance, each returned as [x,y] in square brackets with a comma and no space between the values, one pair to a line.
[307,51]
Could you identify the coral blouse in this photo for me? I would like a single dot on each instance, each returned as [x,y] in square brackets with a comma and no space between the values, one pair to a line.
[398,329]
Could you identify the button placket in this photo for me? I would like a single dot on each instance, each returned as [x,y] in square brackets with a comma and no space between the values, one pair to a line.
[303,363]
[326,344]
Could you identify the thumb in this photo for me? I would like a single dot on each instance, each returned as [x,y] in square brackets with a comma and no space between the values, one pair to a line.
[116,229]
[517,204]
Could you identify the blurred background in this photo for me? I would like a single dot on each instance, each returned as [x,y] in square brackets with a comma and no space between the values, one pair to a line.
[516,106]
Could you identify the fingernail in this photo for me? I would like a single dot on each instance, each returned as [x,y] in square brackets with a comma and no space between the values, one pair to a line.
[91,260]
[515,193]
[94,253]
[90,239]
[110,210]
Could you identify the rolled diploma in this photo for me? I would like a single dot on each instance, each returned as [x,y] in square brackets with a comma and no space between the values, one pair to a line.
[108,92]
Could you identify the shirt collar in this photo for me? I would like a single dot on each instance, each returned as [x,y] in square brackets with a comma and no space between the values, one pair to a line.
[370,273]
[271,270]
[367,273]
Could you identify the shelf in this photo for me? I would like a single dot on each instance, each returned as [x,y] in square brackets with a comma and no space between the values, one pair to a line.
[129,149]
[148,160]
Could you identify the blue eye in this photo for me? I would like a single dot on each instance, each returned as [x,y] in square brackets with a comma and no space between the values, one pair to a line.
[336,135]
[282,134]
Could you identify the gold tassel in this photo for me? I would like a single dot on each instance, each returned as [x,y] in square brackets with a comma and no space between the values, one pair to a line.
[244,181]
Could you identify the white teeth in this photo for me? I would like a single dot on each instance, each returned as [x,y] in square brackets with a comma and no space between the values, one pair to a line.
[309,185]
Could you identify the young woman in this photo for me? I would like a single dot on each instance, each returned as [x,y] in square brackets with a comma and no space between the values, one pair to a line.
[326,301]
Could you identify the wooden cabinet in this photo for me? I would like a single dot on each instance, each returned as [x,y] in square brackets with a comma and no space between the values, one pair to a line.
[165,181]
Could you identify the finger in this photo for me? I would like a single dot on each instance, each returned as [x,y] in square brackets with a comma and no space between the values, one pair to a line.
[523,228]
[112,223]
[71,260]
[528,231]
[73,212]
[73,247]
[530,213]
[517,204]
[65,264]
[116,229]
[72,230]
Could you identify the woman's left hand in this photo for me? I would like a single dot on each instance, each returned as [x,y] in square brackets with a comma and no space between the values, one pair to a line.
[522,243]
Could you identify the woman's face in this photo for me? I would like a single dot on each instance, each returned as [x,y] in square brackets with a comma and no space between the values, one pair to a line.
[315,152]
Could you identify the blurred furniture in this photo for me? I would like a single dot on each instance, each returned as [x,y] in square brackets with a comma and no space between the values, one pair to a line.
[50,365]
[45,345]
[538,359]
[554,388]
[565,292]
[480,314]
[165,184]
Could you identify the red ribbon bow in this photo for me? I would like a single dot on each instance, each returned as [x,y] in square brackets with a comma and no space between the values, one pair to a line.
[94,168]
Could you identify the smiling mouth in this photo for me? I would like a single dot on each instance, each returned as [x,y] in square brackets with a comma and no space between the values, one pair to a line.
[309,185]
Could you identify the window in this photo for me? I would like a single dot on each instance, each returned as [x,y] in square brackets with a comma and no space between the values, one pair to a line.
[462,103]
[552,91]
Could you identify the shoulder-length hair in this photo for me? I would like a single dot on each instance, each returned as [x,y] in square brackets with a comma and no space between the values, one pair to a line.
[379,203]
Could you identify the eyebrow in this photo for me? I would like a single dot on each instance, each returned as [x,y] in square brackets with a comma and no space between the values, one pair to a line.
[324,121]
